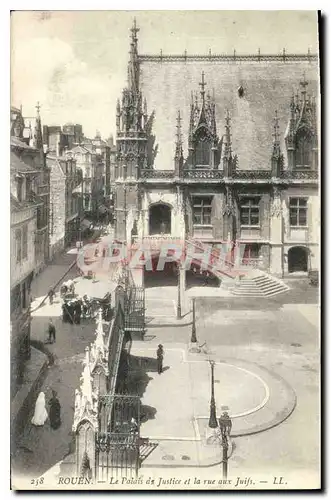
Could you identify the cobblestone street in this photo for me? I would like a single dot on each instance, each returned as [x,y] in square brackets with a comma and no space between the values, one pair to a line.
[282,338]
[40,448]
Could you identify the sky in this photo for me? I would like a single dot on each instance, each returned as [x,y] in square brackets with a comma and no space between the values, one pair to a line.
[75,62]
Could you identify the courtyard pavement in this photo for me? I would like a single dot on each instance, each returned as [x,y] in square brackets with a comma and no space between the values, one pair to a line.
[281,338]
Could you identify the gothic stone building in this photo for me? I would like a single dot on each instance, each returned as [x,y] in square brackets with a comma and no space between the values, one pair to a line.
[229,152]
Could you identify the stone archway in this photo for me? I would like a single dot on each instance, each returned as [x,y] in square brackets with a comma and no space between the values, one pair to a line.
[297,259]
[159,219]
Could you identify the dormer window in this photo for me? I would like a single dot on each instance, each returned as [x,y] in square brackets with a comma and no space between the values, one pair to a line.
[202,153]
[202,148]
[303,151]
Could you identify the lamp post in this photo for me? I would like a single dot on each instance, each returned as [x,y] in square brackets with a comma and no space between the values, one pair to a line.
[212,414]
[179,306]
[194,333]
[225,427]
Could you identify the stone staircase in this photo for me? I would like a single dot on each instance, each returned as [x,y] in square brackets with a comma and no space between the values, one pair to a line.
[242,282]
[257,284]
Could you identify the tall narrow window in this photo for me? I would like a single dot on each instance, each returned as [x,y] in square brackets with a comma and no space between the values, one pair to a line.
[25,242]
[303,152]
[18,243]
[202,153]
[20,189]
[15,299]
[202,206]
[250,211]
[28,187]
[24,296]
[298,212]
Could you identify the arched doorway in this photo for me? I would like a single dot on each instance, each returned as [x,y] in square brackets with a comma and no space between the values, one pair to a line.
[158,274]
[297,259]
[160,219]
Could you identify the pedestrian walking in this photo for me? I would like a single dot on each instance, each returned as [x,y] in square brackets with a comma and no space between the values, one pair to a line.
[40,413]
[159,356]
[51,296]
[51,332]
[54,411]
[77,312]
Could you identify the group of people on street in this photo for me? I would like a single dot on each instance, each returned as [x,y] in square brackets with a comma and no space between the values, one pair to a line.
[72,311]
[40,412]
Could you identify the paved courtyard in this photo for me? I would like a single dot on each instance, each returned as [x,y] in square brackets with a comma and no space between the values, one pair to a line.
[283,338]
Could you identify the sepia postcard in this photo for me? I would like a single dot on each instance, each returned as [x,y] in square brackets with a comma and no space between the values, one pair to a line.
[165,250]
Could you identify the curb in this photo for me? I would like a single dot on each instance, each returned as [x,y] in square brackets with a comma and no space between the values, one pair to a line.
[19,417]
[213,463]
[165,325]
[276,418]
[55,286]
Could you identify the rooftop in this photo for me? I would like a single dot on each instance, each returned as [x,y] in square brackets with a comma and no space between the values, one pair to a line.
[268,85]
[17,143]
[18,166]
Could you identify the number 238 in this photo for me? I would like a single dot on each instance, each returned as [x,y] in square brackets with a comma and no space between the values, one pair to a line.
[35,482]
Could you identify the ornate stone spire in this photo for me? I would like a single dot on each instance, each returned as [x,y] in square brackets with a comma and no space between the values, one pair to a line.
[118,116]
[228,144]
[145,113]
[133,70]
[229,160]
[202,130]
[302,126]
[179,146]
[276,157]
[202,91]
[191,126]
[86,380]
[303,85]
[276,141]
[292,108]
[130,117]
[213,114]
[38,136]
[99,341]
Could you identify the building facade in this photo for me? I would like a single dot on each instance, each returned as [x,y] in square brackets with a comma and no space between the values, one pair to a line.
[92,168]
[29,188]
[27,145]
[228,157]
[65,203]
[60,138]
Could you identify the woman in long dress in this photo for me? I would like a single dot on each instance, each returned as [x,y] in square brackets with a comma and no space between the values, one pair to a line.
[55,411]
[40,413]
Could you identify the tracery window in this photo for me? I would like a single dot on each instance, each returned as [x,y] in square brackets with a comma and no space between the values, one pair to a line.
[303,151]
[202,153]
